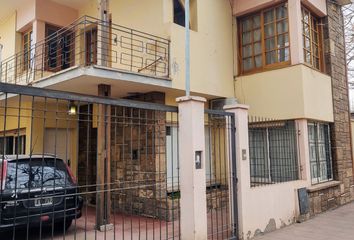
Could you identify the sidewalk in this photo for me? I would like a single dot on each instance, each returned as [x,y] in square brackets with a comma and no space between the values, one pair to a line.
[332,225]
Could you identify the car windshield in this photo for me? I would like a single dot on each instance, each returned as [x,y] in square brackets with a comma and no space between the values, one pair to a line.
[37,172]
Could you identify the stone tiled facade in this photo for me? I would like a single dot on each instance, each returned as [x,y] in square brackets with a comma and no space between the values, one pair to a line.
[335,63]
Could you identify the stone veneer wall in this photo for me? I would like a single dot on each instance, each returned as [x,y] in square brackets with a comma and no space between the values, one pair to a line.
[335,63]
[138,159]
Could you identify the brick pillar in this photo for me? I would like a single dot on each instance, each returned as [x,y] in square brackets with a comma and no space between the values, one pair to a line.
[335,61]
[192,175]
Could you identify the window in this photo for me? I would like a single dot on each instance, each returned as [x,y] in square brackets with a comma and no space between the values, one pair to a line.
[28,52]
[320,152]
[173,163]
[13,144]
[59,49]
[312,39]
[273,152]
[178,13]
[265,39]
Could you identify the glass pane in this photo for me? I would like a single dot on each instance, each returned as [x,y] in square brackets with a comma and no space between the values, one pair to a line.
[282,27]
[315,50]
[307,56]
[316,63]
[256,21]
[283,40]
[246,38]
[246,51]
[282,12]
[305,16]
[307,43]
[315,37]
[269,30]
[270,44]
[257,35]
[283,55]
[306,30]
[257,48]
[271,57]
[246,25]
[247,64]
[258,61]
[269,16]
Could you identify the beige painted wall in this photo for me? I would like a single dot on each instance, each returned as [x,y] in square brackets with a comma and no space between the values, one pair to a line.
[8,36]
[287,93]
[90,9]
[55,13]
[211,51]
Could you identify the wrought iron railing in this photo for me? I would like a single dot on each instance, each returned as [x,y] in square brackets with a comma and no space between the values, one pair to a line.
[86,42]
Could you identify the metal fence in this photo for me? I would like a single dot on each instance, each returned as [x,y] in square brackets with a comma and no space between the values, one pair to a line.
[84,167]
[88,42]
[273,151]
[220,161]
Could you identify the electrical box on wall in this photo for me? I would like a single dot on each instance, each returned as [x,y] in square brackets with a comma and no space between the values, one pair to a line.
[198,159]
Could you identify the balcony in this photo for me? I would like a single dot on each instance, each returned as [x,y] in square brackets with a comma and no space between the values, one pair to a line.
[89,42]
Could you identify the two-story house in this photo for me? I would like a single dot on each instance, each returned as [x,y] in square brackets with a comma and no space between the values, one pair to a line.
[285,59]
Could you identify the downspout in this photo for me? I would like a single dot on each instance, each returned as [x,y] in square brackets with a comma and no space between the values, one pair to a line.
[187,47]
[1,47]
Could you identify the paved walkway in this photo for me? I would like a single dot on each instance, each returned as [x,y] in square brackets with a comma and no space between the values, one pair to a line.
[332,225]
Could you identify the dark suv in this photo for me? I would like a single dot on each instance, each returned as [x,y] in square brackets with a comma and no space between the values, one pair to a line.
[37,190]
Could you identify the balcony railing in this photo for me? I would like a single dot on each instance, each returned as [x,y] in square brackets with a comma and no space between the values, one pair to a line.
[89,42]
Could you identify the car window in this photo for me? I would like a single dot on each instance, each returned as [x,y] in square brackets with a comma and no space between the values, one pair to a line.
[37,172]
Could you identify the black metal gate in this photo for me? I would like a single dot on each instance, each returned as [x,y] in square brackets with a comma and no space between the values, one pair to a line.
[85,167]
[221,176]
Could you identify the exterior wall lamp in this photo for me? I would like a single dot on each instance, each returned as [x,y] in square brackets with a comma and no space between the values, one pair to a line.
[72,109]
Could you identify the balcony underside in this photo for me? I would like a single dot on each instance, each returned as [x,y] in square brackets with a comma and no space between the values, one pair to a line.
[86,79]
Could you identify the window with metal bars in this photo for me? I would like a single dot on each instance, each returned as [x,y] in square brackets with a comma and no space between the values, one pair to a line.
[320,152]
[273,152]
[264,39]
[312,39]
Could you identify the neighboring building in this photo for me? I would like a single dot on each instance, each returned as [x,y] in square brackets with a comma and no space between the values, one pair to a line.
[285,59]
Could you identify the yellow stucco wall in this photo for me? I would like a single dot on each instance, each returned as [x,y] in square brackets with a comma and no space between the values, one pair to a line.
[211,51]
[211,45]
[34,120]
[8,36]
[289,93]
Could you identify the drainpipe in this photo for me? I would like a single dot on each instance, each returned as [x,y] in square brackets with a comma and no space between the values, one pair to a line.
[187,50]
[1,47]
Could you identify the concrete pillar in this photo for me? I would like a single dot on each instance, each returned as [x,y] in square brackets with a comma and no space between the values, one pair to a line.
[242,158]
[295,31]
[192,168]
[103,197]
